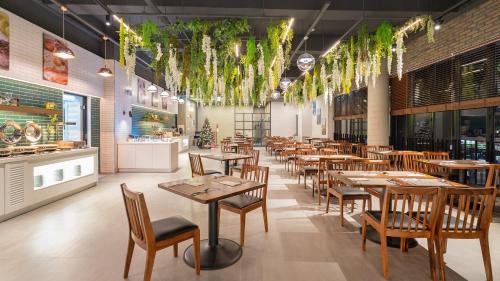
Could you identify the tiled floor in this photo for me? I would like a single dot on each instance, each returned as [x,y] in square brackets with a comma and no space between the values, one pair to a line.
[84,237]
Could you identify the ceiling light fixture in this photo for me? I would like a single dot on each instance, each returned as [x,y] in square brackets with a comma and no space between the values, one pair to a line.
[438,24]
[393,48]
[152,89]
[108,20]
[105,71]
[174,98]
[61,50]
[306,61]
[276,95]
[181,101]
[285,83]
[165,93]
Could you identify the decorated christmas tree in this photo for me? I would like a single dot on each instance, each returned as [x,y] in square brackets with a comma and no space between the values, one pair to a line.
[206,134]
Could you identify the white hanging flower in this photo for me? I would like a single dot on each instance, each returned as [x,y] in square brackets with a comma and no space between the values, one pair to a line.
[270,78]
[323,78]
[207,50]
[399,54]
[304,91]
[280,61]
[336,82]
[389,63]
[214,72]
[260,62]
[349,67]
[188,89]
[375,68]
[358,79]
[250,81]
[159,53]
[368,67]
[129,55]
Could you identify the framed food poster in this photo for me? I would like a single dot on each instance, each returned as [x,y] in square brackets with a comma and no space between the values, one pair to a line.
[4,41]
[164,103]
[141,91]
[54,69]
[155,99]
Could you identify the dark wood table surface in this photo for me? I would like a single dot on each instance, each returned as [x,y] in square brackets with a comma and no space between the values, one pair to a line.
[226,157]
[215,252]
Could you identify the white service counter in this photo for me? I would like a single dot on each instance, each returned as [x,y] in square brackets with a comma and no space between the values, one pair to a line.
[148,156]
[30,181]
[183,143]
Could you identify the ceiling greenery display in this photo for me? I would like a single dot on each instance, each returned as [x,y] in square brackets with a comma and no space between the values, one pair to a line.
[356,61]
[210,67]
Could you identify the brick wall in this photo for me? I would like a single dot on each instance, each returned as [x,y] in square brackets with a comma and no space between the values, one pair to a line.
[141,127]
[475,27]
[30,95]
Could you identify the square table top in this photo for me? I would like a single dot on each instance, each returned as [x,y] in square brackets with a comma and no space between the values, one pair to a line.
[216,190]
[458,164]
[225,156]
[389,152]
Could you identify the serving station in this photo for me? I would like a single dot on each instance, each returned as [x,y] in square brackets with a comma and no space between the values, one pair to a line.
[148,156]
[28,181]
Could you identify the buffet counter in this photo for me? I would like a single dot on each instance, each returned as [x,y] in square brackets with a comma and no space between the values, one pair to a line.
[161,156]
[183,143]
[32,180]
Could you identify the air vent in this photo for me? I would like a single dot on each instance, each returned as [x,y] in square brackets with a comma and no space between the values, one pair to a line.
[15,181]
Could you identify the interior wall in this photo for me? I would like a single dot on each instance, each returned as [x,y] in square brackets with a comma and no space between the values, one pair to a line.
[324,113]
[221,117]
[283,120]
[26,60]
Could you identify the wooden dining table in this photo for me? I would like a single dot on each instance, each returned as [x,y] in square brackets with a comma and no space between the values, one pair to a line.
[383,179]
[460,165]
[316,157]
[215,252]
[226,158]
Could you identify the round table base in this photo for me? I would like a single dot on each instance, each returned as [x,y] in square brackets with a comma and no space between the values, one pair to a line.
[393,242]
[226,253]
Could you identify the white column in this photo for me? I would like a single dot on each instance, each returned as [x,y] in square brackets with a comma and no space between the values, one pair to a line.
[378,115]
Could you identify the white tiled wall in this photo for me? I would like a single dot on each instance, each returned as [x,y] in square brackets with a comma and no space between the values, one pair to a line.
[26,56]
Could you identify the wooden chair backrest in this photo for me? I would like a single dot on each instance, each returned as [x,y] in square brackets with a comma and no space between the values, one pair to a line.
[361,150]
[196,165]
[440,155]
[385,147]
[409,163]
[259,174]
[369,148]
[470,208]
[244,147]
[139,222]
[493,179]
[421,204]
[345,148]
[255,157]
[376,165]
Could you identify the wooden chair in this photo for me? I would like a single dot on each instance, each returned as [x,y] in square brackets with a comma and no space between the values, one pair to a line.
[410,163]
[197,166]
[157,235]
[345,193]
[345,149]
[249,201]
[385,147]
[432,169]
[328,151]
[368,150]
[414,214]
[466,213]
[376,165]
[254,160]
[305,168]
[493,179]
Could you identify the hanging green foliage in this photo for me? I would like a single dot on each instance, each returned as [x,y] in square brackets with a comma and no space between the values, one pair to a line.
[122,43]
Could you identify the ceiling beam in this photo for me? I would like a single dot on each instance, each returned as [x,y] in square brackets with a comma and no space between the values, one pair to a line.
[311,27]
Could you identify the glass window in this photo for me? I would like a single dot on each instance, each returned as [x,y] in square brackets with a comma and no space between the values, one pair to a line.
[75,117]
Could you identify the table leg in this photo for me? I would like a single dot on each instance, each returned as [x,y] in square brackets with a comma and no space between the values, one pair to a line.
[226,167]
[461,176]
[215,252]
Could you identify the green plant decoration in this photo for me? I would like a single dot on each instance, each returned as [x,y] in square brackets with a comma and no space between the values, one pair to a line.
[122,43]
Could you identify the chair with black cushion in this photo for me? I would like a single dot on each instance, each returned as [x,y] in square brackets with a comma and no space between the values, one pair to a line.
[249,201]
[197,166]
[305,168]
[157,235]
[345,193]
[466,213]
[376,165]
[407,212]
[254,160]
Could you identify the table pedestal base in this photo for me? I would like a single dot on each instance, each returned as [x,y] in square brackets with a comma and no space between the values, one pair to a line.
[393,242]
[226,253]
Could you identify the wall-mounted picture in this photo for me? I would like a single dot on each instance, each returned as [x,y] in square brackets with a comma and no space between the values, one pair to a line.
[164,103]
[141,91]
[127,91]
[318,115]
[4,40]
[155,99]
[313,107]
[323,127]
[54,69]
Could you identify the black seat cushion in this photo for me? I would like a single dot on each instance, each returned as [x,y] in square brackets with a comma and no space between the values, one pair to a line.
[170,227]
[346,191]
[240,201]
[211,172]
[397,223]
[453,221]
